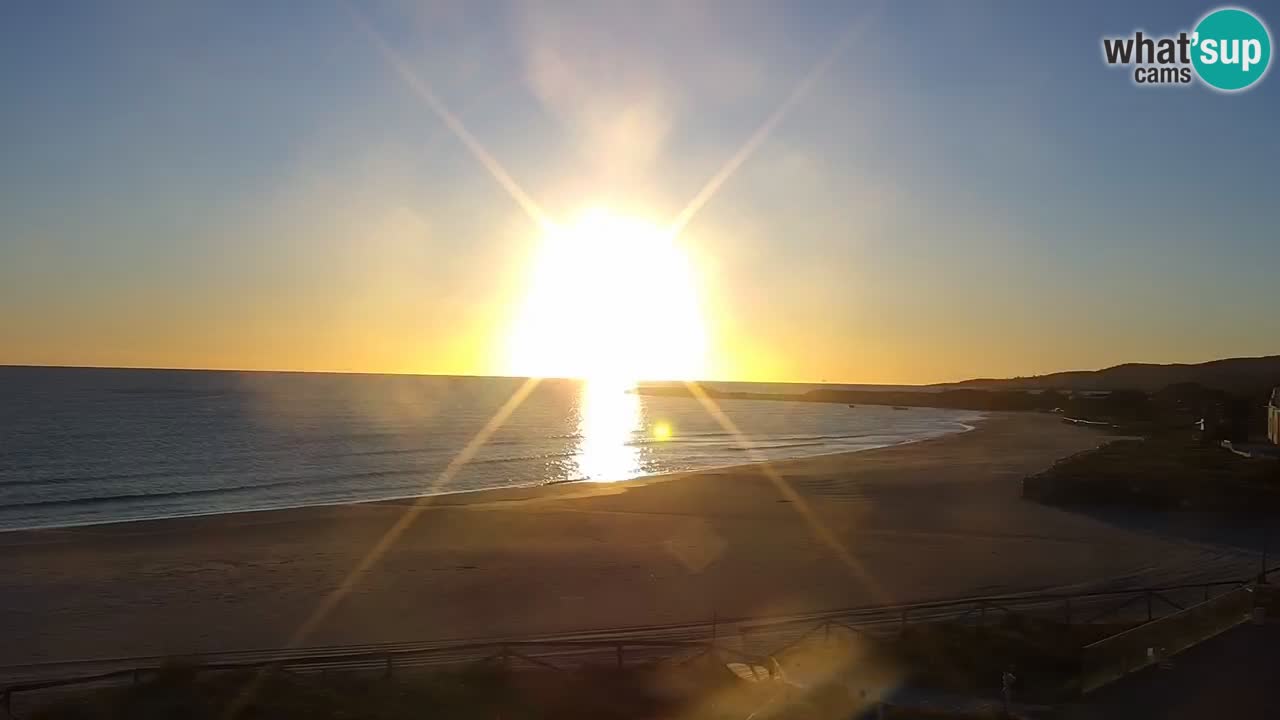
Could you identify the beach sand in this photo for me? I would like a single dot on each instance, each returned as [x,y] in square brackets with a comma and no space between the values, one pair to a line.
[935,519]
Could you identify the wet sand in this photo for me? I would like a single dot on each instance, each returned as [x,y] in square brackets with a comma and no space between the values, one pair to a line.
[935,519]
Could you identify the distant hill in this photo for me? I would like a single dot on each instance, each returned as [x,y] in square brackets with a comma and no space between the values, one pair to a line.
[1232,374]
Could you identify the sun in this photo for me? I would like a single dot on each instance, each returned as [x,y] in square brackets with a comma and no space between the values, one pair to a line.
[609,298]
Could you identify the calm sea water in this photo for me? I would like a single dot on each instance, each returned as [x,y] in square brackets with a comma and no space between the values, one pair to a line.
[80,446]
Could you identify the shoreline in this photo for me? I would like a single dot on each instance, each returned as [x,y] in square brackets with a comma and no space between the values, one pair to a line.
[925,520]
[968,426]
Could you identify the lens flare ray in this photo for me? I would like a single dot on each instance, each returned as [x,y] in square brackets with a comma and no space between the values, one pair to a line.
[393,533]
[797,501]
[535,212]
[762,133]
[453,123]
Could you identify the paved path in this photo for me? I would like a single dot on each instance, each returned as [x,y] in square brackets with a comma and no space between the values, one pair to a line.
[1235,675]
[965,705]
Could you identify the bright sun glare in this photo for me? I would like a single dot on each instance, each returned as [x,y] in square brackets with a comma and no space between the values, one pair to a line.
[612,299]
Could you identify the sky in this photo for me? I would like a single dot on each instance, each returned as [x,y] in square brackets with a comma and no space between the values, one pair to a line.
[912,192]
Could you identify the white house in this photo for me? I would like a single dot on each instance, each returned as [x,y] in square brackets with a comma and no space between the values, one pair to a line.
[1273,417]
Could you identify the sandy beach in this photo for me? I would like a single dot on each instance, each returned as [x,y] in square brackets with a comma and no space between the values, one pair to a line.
[935,519]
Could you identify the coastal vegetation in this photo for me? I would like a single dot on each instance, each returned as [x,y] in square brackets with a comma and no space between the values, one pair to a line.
[694,691]
[1163,472]
[1168,454]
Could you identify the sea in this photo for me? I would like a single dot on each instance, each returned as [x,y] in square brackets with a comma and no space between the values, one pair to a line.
[82,446]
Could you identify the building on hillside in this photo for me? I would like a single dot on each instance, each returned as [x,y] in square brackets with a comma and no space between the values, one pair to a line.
[1273,417]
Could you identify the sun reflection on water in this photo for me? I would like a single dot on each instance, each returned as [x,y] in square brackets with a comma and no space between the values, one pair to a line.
[609,419]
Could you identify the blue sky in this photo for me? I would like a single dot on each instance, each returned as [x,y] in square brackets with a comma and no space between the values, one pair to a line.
[966,190]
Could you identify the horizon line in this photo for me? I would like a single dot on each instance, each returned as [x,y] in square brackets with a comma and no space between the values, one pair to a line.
[272,371]
[975,379]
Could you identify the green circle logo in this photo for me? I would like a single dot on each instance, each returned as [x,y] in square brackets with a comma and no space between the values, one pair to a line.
[1232,49]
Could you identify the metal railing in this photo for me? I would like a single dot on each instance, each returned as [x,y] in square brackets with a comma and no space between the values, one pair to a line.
[1156,641]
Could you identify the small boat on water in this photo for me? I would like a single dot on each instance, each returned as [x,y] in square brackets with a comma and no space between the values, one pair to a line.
[852,405]
[899,407]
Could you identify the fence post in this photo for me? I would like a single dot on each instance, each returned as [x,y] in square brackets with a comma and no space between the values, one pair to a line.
[1148,594]
[1206,593]
[618,648]
[1262,564]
